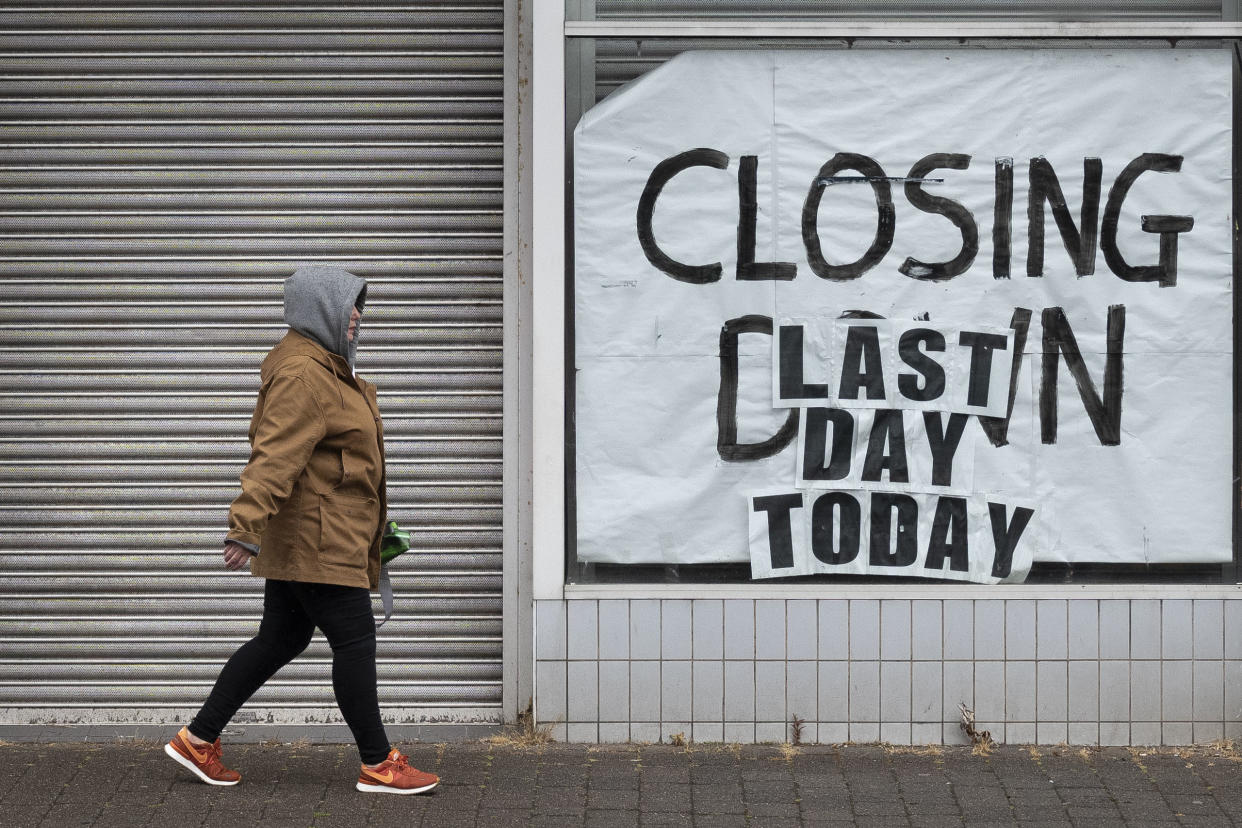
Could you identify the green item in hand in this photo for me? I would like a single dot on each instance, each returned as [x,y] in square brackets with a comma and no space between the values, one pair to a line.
[395,542]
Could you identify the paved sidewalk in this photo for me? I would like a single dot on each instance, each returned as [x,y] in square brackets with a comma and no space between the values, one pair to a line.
[135,784]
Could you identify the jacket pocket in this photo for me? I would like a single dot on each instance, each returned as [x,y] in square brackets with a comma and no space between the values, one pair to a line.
[346,527]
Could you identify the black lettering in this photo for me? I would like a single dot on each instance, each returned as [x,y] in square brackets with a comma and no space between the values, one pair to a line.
[950,517]
[815,444]
[889,430]
[1168,227]
[1166,272]
[1005,535]
[953,211]
[981,347]
[931,371]
[905,551]
[1002,219]
[661,175]
[943,443]
[747,216]
[836,540]
[727,445]
[1105,413]
[780,527]
[886,220]
[997,428]
[862,345]
[1046,187]
[791,385]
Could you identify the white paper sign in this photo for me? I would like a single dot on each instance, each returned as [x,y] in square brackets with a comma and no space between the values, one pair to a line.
[1038,241]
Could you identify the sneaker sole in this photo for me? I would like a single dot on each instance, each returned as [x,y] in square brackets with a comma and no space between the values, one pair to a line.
[365,788]
[193,768]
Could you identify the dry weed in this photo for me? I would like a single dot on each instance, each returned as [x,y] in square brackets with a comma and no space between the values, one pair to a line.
[523,733]
[980,739]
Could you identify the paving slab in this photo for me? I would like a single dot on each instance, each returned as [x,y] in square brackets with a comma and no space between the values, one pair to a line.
[130,782]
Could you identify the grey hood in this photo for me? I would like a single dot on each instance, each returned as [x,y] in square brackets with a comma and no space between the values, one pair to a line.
[318,301]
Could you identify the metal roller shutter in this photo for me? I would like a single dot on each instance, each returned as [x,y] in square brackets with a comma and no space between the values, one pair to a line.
[162,169]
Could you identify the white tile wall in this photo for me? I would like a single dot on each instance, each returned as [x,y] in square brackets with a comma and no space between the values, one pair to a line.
[1140,671]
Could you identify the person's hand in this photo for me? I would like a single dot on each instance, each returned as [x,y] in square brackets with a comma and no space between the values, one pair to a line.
[235,555]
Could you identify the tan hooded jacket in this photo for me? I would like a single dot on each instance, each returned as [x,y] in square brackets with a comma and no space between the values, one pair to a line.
[313,493]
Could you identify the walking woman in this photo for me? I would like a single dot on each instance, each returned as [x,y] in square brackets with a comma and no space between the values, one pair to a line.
[309,520]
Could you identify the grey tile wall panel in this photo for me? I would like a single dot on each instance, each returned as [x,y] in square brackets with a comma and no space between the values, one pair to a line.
[1145,623]
[802,629]
[614,629]
[1019,691]
[1084,691]
[583,629]
[645,629]
[614,733]
[1177,691]
[770,691]
[770,629]
[1051,629]
[708,624]
[675,629]
[550,629]
[834,630]
[926,691]
[739,626]
[895,691]
[1177,629]
[771,732]
[1019,630]
[709,691]
[1233,629]
[582,732]
[989,691]
[989,630]
[959,688]
[1051,733]
[739,698]
[894,630]
[1233,691]
[614,691]
[645,691]
[1115,691]
[1084,733]
[1145,691]
[1145,733]
[550,690]
[1209,629]
[801,690]
[1208,702]
[1051,691]
[582,700]
[1177,733]
[708,732]
[1114,629]
[676,691]
[1084,628]
[959,629]
[926,630]
[864,630]
[864,681]
[833,691]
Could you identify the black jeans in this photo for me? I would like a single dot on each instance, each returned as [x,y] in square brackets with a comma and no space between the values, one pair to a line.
[291,611]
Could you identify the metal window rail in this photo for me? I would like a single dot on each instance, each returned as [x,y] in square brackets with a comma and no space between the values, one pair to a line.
[901,29]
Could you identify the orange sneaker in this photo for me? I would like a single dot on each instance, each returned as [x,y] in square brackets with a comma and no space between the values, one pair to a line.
[201,760]
[394,775]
